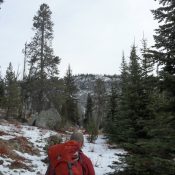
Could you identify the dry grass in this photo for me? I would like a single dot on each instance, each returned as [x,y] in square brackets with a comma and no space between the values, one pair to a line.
[18,165]
[3,133]
[7,151]
[23,145]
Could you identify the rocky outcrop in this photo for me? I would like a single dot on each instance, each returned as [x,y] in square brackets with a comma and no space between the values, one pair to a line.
[50,119]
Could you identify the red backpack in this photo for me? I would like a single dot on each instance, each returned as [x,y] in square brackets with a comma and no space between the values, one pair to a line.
[65,159]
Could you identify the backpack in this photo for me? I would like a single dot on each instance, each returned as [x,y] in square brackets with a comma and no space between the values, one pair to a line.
[65,159]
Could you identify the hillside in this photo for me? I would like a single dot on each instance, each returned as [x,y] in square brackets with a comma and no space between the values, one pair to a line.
[85,84]
[22,150]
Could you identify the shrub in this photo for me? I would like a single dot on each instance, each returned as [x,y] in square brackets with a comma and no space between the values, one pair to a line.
[53,140]
[92,130]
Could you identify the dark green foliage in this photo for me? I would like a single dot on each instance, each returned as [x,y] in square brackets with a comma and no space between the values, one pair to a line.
[56,95]
[164,54]
[148,165]
[99,102]
[111,126]
[89,110]
[144,127]
[92,130]
[131,108]
[146,61]
[70,106]
[149,102]
[89,121]
[42,62]
[12,100]
[70,88]
[148,80]
[2,92]
[70,111]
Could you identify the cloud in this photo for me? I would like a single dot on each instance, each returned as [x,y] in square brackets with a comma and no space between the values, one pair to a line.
[88,35]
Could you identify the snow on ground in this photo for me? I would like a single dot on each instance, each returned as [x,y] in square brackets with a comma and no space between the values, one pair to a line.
[29,163]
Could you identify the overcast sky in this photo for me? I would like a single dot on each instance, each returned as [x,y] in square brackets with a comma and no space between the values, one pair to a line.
[90,35]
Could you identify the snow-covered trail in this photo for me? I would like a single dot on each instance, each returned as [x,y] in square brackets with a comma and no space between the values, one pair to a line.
[32,164]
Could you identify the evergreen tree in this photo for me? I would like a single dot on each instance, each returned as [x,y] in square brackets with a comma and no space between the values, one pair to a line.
[12,93]
[2,92]
[42,61]
[162,127]
[148,81]
[135,93]
[124,129]
[130,99]
[152,150]
[164,54]
[146,61]
[70,108]
[112,117]
[99,102]
[89,110]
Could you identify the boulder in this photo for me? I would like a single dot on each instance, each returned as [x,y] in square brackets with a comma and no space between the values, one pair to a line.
[49,119]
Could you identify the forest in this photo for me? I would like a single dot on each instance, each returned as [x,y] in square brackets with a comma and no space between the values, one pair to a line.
[136,110]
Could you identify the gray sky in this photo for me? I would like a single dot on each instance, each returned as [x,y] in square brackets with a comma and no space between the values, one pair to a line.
[90,35]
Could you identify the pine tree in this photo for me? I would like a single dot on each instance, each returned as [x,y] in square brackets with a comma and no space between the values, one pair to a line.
[89,121]
[112,119]
[163,126]
[124,128]
[148,84]
[131,98]
[89,110]
[12,93]
[152,151]
[99,102]
[146,61]
[2,92]
[135,95]
[164,54]
[70,108]
[42,61]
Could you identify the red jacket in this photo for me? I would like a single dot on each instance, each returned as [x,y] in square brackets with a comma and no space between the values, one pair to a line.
[84,161]
[88,168]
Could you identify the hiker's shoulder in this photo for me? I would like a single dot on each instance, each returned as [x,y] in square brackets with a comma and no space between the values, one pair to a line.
[87,164]
[55,147]
[84,156]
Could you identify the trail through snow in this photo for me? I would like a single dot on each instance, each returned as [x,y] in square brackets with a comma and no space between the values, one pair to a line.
[101,155]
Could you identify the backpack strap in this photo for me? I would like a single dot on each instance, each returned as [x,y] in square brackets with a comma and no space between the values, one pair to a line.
[50,170]
[81,162]
[69,164]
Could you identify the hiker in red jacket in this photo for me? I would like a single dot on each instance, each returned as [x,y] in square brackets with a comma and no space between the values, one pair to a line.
[68,158]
